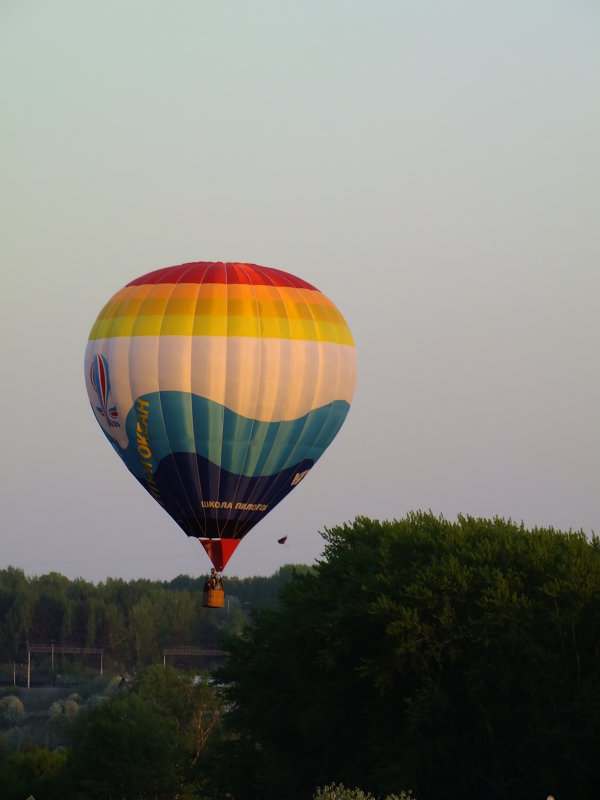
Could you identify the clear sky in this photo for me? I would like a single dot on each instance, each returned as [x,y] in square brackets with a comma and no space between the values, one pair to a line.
[433,167]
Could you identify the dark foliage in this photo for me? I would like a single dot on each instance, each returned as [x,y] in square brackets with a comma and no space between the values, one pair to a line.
[34,771]
[454,659]
[457,659]
[132,621]
[150,741]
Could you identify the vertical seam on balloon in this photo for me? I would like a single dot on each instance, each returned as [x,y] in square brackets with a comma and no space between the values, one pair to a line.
[192,506]
[200,284]
[186,504]
[332,405]
[241,475]
[285,489]
[325,422]
[266,274]
[177,504]
[284,415]
[132,337]
[225,265]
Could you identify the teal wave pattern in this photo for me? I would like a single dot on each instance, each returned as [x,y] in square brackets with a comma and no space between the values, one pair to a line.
[163,423]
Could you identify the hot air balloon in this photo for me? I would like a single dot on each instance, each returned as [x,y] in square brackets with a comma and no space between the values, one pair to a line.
[220,385]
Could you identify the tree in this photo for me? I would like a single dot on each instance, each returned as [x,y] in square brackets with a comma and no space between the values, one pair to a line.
[147,742]
[50,614]
[16,611]
[442,656]
[35,771]
[12,711]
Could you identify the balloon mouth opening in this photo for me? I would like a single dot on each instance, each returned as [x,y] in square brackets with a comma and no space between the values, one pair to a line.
[219,551]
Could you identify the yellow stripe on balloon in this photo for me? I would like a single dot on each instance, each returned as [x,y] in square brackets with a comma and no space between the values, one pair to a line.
[218,309]
[265,327]
[308,322]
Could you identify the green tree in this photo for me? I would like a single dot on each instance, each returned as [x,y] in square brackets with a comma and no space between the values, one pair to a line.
[12,711]
[111,632]
[82,610]
[35,771]
[449,657]
[179,619]
[147,742]
[17,600]
[50,612]
[61,715]
[143,621]
[13,585]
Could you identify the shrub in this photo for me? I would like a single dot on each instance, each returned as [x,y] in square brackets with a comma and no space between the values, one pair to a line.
[338,791]
[12,712]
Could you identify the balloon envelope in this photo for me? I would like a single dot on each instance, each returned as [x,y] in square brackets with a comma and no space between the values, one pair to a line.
[220,385]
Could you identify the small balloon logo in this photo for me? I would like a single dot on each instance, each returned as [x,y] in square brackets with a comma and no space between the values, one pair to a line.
[100,381]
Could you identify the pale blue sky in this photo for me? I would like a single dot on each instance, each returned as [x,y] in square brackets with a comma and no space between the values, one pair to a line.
[433,167]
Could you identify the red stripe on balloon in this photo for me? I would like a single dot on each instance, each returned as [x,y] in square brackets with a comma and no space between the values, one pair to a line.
[220,272]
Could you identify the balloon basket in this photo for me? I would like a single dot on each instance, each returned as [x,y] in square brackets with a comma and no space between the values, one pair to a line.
[213,598]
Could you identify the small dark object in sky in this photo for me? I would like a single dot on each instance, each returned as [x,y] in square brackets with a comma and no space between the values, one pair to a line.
[283,540]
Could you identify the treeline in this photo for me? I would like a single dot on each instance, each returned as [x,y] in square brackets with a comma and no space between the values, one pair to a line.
[456,659]
[131,620]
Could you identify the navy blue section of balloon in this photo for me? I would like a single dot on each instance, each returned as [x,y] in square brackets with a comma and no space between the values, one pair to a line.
[178,480]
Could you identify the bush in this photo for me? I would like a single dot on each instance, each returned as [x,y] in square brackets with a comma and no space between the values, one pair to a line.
[67,708]
[12,712]
[338,791]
